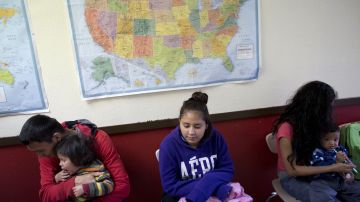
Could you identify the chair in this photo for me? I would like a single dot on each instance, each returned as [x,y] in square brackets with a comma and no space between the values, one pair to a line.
[279,191]
[157,154]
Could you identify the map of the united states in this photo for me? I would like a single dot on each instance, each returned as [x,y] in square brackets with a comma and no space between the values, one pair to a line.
[135,46]
[166,33]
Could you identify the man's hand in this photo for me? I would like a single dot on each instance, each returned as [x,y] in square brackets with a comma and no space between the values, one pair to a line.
[78,190]
[62,176]
[87,178]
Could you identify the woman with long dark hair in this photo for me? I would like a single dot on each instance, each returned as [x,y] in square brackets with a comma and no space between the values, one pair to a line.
[298,131]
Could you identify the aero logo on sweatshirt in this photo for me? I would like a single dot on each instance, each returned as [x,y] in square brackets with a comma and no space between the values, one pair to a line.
[196,167]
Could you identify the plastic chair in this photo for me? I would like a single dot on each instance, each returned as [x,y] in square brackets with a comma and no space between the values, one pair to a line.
[279,191]
[157,154]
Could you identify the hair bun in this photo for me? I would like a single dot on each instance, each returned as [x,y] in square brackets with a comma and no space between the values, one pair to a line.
[200,97]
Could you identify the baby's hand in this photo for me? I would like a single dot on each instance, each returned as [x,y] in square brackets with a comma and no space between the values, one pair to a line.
[62,176]
[78,190]
[341,157]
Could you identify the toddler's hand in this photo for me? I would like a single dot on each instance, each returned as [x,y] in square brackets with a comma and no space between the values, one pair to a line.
[62,176]
[341,157]
[78,190]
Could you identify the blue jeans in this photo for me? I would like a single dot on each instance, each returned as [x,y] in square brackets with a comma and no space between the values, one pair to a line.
[296,187]
[333,188]
[324,189]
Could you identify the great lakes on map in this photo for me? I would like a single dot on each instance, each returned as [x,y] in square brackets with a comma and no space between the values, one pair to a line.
[125,47]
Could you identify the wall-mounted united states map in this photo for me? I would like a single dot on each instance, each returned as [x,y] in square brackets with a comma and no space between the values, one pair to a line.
[135,46]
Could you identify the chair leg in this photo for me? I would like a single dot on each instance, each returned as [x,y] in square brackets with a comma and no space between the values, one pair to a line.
[272,195]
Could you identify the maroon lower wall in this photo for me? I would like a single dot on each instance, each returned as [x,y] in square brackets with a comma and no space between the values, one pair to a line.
[255,166]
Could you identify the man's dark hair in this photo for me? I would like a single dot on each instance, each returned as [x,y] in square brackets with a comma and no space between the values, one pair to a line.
[39,128]
[79,149]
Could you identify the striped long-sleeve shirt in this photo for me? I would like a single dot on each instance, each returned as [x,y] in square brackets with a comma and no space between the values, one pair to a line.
[103,183]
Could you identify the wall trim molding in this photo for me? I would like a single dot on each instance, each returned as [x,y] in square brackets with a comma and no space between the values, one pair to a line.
[167,123]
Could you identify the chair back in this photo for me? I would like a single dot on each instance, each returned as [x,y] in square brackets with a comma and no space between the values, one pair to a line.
[270,141]
[157,154]
[279,191]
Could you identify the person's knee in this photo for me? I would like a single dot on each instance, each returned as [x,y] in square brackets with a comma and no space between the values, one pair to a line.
[296,188]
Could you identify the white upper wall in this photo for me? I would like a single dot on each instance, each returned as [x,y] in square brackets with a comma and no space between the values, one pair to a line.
[301,41]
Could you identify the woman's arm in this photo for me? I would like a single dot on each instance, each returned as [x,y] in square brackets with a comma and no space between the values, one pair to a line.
[300,170]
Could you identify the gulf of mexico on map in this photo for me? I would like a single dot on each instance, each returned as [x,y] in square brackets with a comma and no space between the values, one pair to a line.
[128,47]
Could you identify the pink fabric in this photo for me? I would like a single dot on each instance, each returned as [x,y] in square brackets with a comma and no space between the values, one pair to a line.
[182,199]
[285,131]
[237,195]
[213,199]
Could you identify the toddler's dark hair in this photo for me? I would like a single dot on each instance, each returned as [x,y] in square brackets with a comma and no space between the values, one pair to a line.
[334,128]
[79,149]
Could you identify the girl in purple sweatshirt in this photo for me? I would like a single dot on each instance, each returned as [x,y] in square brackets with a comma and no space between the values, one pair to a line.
[194,160]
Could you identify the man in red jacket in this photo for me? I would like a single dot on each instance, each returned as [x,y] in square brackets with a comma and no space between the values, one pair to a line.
[41,133]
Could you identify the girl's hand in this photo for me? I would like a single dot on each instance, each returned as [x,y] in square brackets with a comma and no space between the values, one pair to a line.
[62,176]
[78,190]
